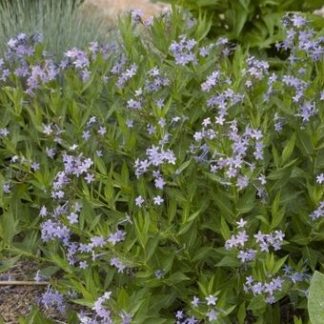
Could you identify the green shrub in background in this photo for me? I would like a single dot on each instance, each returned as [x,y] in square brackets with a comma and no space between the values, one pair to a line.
[166,179]
[254,23]
[59,21]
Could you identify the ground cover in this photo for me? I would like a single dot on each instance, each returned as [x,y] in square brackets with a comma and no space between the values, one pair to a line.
[165,177]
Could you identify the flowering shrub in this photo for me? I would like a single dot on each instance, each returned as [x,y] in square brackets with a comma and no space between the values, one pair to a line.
[166,178]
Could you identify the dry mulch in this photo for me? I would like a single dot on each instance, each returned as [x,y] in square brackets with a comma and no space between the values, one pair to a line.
[17,300]
[19,292]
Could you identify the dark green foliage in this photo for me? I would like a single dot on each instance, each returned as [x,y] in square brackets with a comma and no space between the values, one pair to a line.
[253,23]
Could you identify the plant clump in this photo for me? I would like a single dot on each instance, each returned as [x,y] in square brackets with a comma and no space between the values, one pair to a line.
[168,178]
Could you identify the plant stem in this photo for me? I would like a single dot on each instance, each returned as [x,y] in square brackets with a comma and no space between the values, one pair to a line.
[23,283]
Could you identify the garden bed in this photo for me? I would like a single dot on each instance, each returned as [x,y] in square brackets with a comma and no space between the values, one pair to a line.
[171,174]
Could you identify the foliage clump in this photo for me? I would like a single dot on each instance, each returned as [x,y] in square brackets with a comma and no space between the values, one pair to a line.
[253,23]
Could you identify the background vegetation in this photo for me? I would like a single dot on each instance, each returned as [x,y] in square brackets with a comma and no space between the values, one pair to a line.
[61,24]
[251,23]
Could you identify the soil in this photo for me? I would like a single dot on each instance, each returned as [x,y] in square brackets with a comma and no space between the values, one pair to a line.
[16,301]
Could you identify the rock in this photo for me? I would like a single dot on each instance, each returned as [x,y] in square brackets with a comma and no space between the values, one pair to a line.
[319,12]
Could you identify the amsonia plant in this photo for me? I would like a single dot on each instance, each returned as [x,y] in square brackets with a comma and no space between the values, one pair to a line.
[165,178]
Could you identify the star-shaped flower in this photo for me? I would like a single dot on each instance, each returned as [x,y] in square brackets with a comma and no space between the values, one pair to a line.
[211,300]
[320,178]
[139,201]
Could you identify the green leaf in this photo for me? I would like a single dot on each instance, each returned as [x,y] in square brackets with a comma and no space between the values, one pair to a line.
[172,210]
[278,265]
[142,223]
[49,271]
[241,314]
[193,216]
[204,253]
[7,264]
[152,245]
[257,304]
[83,302]
[239,16]
[177,277]
[60,262]
[247,202]
[298,320]
[289,148]
[277,213]
[229,261]
[224,229]
[224,204]
[100,165]
[305,143]
[316,298]
[182,167]
[8,227]
[123,299]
